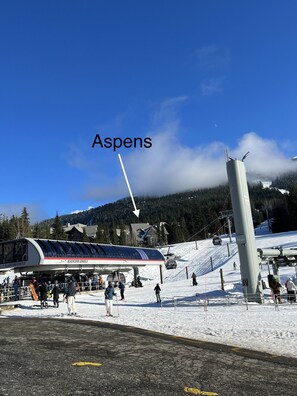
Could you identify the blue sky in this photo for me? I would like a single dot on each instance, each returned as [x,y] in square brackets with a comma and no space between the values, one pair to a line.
[193,76]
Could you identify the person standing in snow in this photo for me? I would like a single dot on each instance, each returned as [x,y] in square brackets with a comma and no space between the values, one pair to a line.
[291,290]
[70,297]
[109,293]
[122,290]
[276,287]
[157,290]
[194,277]
[43,295]
[55,293]
[16,286]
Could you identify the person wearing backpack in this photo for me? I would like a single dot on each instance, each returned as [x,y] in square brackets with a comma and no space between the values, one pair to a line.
[70,297]
[108,294]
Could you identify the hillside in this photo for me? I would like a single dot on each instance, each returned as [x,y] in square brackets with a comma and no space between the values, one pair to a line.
[186,214]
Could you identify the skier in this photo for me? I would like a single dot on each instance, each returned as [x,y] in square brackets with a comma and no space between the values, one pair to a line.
[55,293]
[70,297]
[122,290]
[109,293]
[157,290]
[194,277]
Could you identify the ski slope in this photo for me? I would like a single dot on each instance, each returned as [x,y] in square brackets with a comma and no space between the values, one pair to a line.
[226,318]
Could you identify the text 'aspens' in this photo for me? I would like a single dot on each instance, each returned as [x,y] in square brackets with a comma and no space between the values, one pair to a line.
[117,142]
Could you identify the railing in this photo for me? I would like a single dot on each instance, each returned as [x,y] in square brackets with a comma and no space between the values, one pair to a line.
[246,300]
[8,293]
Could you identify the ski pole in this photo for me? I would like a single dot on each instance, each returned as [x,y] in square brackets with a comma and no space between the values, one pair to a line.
[117,304]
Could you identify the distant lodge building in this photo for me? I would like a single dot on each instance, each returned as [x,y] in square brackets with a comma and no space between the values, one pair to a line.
[136,234]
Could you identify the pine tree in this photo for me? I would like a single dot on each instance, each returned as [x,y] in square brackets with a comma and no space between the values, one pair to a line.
[101,235]
[114,239]
[24,224]
[292,207]
[85,237]
[122,240]
[7,231]
[40,231]
[58,231]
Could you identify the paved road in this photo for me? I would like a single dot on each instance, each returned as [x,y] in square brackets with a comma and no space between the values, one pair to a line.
[40,357]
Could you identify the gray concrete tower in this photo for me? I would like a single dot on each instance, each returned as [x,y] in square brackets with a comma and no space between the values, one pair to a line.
[245,237]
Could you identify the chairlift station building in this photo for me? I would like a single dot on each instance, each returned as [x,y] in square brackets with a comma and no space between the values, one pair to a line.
[51,256]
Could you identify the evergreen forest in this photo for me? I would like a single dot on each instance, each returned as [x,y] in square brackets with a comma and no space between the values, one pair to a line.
[188,216]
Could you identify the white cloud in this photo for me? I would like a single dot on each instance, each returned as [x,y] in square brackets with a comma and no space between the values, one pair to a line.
[167,110]
[266,159]
[211,86]
[211,57]
[170,166]
[76,156]
[81,210]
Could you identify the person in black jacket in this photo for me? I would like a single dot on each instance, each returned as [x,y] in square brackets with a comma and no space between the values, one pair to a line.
[70,297]
[55,293]
[43,295]
[194,277]
[157,290]
[122,290]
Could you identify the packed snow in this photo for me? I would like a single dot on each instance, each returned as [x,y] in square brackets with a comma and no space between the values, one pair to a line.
[203,312]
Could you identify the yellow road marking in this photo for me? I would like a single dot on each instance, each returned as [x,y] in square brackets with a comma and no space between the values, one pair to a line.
[86,364]
[196,391]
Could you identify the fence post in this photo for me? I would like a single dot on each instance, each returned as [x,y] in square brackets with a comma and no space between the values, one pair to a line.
[246,297]
[211,263]
[205,304]
[222,279]
[196,295]
[228,249]
[174,302]
[187,272]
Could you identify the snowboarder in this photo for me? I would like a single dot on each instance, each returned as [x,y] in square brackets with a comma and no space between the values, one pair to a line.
[157,290]
[194,277]
[108,294]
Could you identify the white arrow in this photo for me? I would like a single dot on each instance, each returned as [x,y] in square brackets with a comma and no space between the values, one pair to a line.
[135,211]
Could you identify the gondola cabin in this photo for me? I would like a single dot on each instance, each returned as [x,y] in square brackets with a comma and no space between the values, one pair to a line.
[216,240]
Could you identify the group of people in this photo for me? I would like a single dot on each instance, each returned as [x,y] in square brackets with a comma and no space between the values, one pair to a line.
[109,294]
[290,286]
[44,290]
